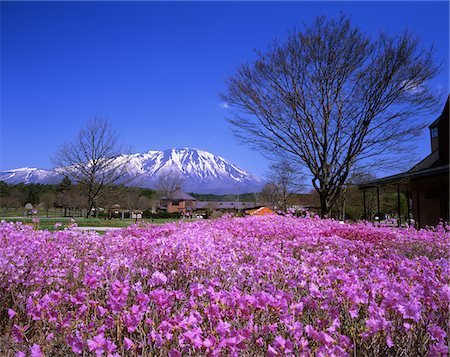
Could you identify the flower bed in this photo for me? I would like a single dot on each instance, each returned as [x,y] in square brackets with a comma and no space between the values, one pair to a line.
[236,286]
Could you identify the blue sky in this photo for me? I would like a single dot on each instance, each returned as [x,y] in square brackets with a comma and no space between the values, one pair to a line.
[156,69]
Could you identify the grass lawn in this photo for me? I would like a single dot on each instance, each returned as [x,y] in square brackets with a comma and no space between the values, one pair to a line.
[49,222]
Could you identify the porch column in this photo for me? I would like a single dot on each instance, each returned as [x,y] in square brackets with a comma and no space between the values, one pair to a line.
[364,200]
[408,198]
[378,204]
[418,204]
[398,206]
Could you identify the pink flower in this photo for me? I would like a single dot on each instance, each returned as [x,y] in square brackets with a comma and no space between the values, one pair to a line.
[128,343]
[18,332]
[50,336]
[209,342]
[378,324]
[76,343]
[97,344]
[36,351]
[410,310]
[11,313]
[444,293]
[158,278]
[311,332]
[325,338]
[437,333]
[271,351]
[223,328]
[441,349]
[174,353]
[197,289]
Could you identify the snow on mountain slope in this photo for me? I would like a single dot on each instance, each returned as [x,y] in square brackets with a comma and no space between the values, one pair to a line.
[29,175]
[202,172]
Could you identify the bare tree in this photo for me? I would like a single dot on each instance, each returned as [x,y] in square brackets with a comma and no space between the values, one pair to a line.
[130,198]
[144,203]
[269,195]
[93,159]
[71,198]
[356,177]
[168,181]
[330,97]
[47,200]
[110,196]
[286,180]
[14,200]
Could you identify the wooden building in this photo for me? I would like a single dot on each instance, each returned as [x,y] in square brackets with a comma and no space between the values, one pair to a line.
[183,203]
[180,202]
[426,184]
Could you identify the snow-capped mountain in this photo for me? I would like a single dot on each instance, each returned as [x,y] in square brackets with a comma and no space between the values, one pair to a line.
[201,171]
[29,175]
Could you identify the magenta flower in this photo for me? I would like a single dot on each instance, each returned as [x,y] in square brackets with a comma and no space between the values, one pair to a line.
[223,328]
[274,285]
[36,351]
[97,344]
[11,313]
[410,310]
[158,278]
[18,332]
[128,343]
[437,333]
[174,353]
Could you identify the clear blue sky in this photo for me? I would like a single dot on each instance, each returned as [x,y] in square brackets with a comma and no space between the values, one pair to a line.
[155,69]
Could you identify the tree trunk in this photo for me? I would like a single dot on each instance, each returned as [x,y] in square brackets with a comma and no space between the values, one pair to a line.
[324,208]
[90,206]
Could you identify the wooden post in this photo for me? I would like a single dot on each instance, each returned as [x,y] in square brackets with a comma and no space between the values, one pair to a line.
[398,206]
[418,204]
[378,204]
[408,197]
[364,199]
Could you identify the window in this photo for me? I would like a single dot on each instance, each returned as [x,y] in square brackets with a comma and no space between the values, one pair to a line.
[434,132]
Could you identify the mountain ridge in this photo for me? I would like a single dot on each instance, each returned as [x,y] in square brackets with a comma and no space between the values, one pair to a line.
[202,171]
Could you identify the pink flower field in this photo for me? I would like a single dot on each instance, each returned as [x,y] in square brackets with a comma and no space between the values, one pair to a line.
[258,286]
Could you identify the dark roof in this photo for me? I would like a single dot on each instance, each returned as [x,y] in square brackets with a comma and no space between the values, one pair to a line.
[430,161]
[179,195]
[442,116]
[430,165]
[411,174]
[225,205]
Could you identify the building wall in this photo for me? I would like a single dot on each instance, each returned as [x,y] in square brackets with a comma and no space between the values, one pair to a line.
[430,199]
[180,207]
[443,140]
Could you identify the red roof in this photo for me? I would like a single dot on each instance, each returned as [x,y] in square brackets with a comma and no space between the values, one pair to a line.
[262,211]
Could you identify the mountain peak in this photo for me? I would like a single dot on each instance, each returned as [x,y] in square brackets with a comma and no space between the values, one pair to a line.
[202,171]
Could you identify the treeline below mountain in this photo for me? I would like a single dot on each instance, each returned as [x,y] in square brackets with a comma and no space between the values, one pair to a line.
[70,199]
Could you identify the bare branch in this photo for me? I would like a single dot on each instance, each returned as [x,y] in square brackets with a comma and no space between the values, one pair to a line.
[329,98]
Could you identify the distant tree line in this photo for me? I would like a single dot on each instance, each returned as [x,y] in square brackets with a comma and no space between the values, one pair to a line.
[67,197]
[71,200]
